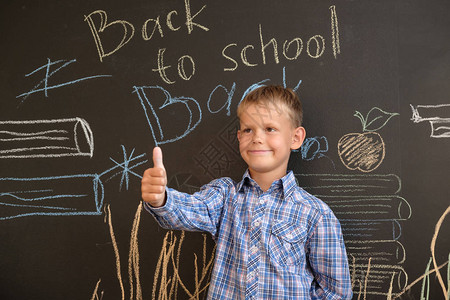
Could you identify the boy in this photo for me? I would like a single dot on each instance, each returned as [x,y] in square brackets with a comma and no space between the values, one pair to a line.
[274,240]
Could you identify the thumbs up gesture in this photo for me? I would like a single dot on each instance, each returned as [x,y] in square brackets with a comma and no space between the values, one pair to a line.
[154,181]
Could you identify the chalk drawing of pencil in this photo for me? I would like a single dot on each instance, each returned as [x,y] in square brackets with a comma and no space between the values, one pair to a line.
[51,196]
[437,115]
[46,138]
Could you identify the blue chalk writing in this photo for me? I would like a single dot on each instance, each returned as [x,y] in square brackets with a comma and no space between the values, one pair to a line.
[284,81]
[43,85]
[253,87]
[227,104]
[151,114]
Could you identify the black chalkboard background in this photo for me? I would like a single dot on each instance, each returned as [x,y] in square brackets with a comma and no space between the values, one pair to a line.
[80,114]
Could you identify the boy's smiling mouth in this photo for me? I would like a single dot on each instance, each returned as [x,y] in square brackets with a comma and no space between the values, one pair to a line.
[259,152]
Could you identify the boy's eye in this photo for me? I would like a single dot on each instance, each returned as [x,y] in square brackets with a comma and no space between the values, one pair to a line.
[270,129]
[246,130]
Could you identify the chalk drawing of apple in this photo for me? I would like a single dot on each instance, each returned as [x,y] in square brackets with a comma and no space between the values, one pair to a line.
[365,151]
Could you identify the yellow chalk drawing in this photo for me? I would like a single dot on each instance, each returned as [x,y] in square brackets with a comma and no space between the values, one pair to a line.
[427,273]
[436,269]
[366,279]
[133,257]
[165,286]
[365,151]
[362,151]
[362,277]
[116,252]
[95,293]
[433,246]
[168,284]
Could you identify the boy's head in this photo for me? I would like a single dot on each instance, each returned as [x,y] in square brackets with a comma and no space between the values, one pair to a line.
[285,100]
[270,127]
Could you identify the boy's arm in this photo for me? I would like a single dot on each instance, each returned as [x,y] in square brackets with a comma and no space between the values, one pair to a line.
[328,260]
[176,210]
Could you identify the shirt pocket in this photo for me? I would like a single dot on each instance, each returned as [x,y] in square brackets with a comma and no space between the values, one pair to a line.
[287,244]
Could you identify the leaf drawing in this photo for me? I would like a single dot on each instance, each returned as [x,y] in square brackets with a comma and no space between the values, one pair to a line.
[375,119]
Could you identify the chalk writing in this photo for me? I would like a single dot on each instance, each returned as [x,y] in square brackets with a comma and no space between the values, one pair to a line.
[129,30]
[291,50]
[43,85]
[227,104]
[335,32]
[46,138]
[162,67]
[191,105]
[149,95]
[437,115]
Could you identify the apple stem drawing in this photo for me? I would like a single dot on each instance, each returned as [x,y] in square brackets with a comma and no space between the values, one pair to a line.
[365,151]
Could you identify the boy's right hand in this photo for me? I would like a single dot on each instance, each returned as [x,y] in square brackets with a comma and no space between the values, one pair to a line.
[154,181]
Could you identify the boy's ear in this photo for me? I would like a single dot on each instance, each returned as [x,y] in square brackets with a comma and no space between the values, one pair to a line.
[298,137]
[239,135]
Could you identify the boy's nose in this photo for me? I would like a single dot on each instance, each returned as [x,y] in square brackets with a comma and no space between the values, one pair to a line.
[256,138]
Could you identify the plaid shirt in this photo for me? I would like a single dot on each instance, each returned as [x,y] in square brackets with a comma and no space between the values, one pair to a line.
[279,244]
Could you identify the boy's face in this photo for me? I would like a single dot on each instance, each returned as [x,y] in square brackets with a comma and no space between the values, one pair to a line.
[266,138]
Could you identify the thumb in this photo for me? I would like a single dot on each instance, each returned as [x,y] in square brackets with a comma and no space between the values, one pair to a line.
[157,158]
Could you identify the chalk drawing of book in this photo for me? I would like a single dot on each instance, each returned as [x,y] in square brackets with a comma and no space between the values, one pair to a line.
[437,115]
[70,195]
[370,211]
[46,138]
[64,195]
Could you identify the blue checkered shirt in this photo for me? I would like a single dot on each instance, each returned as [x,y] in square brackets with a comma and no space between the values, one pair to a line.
[280,244]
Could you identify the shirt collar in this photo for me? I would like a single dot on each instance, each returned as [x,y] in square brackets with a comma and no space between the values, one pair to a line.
[288,182]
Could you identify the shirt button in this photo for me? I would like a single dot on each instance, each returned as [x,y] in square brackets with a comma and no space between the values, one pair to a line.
[257,223]
[289,236]
[254,249]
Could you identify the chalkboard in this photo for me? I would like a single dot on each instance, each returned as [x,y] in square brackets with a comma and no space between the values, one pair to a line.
[89,88]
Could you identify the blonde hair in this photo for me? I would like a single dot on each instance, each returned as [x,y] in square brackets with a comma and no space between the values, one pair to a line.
[277,96]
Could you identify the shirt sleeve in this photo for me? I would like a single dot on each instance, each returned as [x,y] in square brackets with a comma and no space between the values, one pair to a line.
[328,260]
[198,212]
